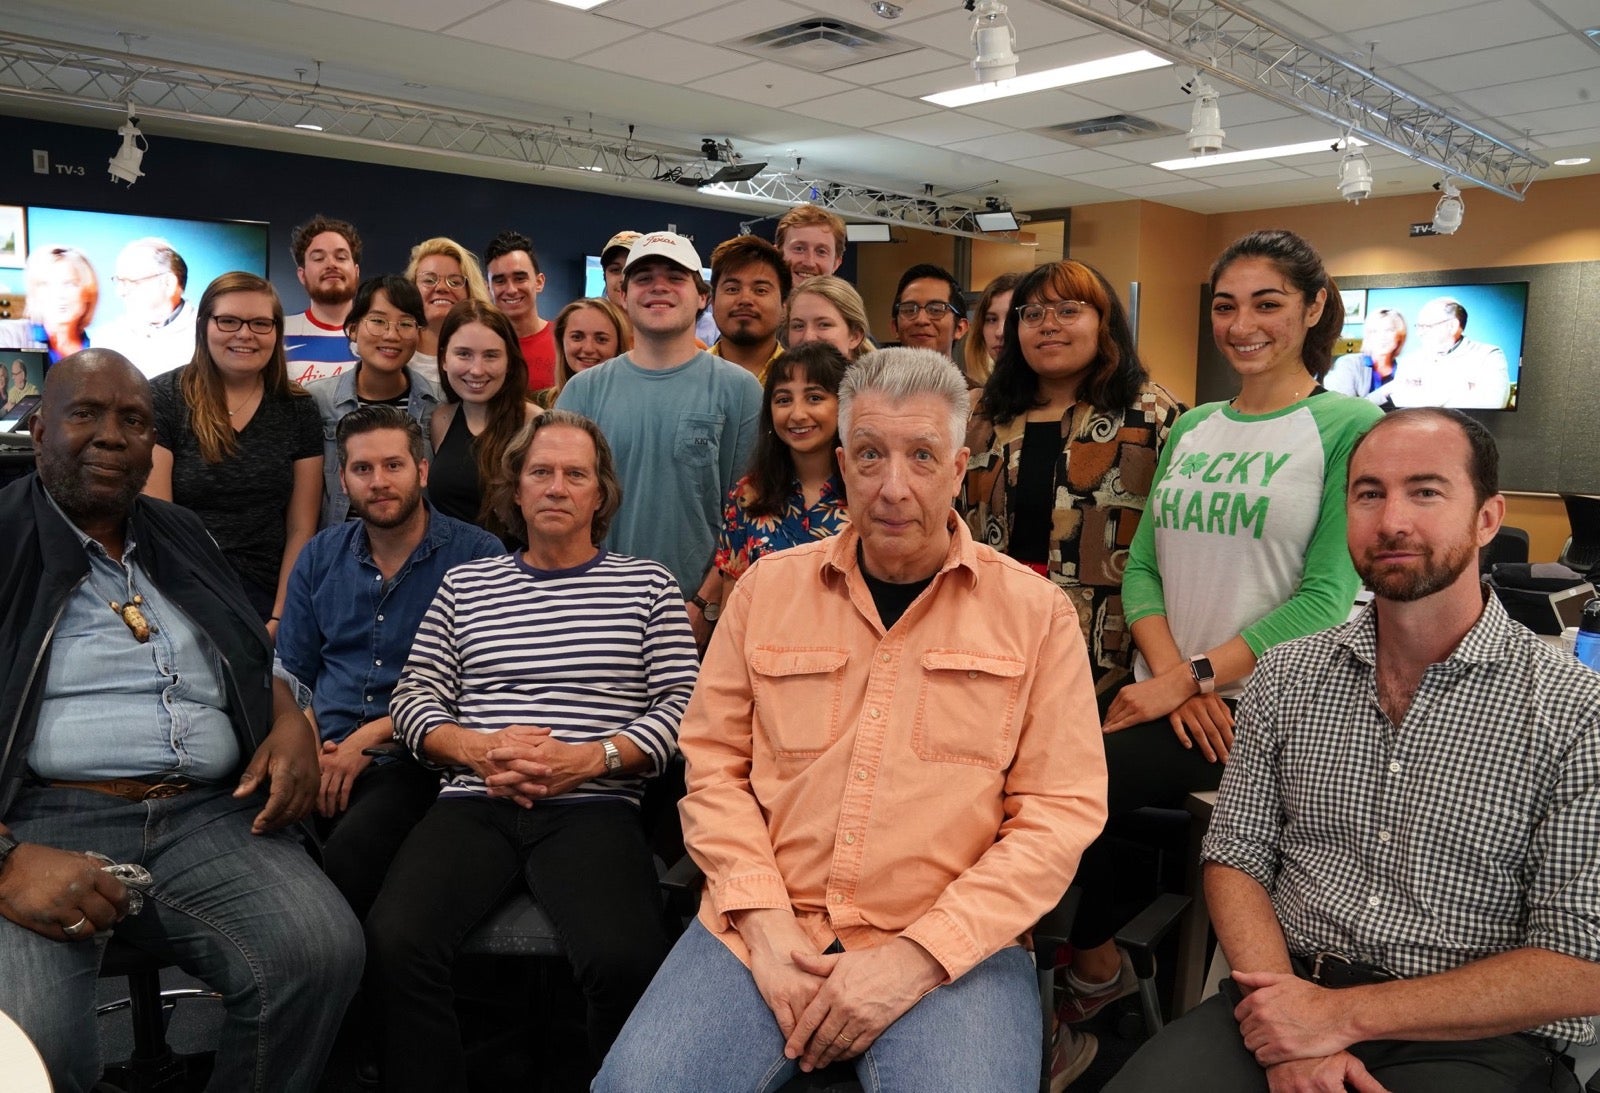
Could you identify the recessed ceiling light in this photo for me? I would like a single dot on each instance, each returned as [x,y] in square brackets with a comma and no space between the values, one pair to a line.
[1102,69]
[581,5]
[1573,161]
[1278,152]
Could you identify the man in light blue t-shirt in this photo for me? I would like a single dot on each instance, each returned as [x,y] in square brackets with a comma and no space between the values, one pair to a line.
[681,423]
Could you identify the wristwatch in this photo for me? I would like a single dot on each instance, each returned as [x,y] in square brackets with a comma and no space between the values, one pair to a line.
[1204,675]
[613,757]
[712,611]
[7,845]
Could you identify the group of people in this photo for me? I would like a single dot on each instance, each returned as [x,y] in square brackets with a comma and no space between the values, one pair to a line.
[918,619]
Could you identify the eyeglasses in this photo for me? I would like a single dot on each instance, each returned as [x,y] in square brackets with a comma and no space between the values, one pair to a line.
[936,309]
[129,282]
[431,280]
[230,324]
[381,326]
[1065,312]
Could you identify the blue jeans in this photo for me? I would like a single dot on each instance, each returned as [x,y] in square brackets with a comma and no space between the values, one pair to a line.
[703,1025]
[249,915]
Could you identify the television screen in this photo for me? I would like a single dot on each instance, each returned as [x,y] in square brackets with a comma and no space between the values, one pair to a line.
[1438,345]
[116,280]
[594,276]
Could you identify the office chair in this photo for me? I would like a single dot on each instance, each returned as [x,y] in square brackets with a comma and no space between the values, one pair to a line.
[1582,549]
[153,1067]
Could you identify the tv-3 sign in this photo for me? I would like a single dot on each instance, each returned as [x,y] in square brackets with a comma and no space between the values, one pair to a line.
[1422,227]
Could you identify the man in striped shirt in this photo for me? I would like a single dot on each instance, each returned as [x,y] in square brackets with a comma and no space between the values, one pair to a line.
[1401,865]
[546,685]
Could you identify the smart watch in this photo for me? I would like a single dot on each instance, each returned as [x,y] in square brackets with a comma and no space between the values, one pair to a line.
[613,757]
[1205,676]
[711,611]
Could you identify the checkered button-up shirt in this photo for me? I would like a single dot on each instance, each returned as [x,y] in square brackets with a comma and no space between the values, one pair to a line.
[1470,829]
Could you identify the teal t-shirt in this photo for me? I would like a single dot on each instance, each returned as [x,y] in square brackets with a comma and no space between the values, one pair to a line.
[1244,532]
[681,438]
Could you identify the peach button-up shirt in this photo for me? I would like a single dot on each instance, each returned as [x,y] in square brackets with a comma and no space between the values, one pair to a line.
[936,781]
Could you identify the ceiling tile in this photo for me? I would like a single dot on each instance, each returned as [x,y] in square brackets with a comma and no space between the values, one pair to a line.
[768,84]
[1259,175]
[417,14]
[942,128]
[1352,16]
[1505,64]
[898,67]
[1036,26]
[729,21]
[1006,148]
[1037,110]
[665,58]
[1167,189]
[862,106]
[1551,92]
[1118,177]
[1078,161]
[1578,13]
[1470,27]
[654,13]
[541,29]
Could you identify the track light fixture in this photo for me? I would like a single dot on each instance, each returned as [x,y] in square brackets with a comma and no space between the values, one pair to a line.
[1355,176]
[994,41]
[1205,122]
[1450,211]
[885,10]
[124,166]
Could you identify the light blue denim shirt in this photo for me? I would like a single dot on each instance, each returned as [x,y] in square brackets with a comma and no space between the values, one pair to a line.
[336,397]
[116,707]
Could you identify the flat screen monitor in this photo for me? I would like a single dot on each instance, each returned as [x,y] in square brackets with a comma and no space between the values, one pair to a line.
[1437,345]
[996,221]
[108,301]
[866,233]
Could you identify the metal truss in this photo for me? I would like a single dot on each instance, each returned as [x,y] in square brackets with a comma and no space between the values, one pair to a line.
[1224,39]
[56,72]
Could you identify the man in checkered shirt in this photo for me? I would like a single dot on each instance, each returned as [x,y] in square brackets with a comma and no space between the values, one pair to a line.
[1404,863]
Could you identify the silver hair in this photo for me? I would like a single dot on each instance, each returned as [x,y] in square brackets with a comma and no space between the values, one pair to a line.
[901,373]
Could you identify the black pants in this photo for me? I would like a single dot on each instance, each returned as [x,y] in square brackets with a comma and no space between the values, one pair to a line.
[1205,1048]
[387,801]
[586,863]
[1146,767]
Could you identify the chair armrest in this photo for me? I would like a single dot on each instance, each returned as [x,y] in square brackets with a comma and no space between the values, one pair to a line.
[1140,936]
[682,884]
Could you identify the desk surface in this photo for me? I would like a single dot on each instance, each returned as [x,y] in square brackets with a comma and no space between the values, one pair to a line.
[21,1069]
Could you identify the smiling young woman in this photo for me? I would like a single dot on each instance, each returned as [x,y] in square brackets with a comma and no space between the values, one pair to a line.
[239,443]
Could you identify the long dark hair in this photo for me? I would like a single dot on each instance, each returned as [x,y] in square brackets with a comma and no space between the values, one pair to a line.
[1116,373]
[507,411]
[201,382]
[772,467]
[1302,267]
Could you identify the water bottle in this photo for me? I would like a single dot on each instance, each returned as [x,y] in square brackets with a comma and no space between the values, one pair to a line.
[1588,647]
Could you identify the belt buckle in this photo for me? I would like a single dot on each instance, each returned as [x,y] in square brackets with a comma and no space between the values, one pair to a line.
[170,786]
[1332,958]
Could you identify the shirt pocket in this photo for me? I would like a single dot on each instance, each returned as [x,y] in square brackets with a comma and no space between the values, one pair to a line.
[966,707]
[798,693]
[697,439]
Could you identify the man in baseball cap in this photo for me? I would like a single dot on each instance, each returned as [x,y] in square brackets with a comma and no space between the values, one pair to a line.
[681,422]
[612,259]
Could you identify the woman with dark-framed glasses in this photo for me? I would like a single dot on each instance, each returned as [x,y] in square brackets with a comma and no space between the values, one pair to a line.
[384,325]
[445,273]
[238,442]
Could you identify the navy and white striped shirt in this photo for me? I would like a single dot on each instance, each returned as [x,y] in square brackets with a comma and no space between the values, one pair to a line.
[589,652]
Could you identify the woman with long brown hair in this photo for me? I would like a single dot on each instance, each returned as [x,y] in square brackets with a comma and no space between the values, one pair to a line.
[485,382]
[238,442]
[589,332]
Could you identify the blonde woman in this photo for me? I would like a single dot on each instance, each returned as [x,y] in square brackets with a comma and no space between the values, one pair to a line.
[827,309]
[445,273]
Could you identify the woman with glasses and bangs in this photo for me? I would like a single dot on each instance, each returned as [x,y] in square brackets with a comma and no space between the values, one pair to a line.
[1068,431]
[385,325]
[238,442]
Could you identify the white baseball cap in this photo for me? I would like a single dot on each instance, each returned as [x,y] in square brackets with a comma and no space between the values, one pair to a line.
[669,245]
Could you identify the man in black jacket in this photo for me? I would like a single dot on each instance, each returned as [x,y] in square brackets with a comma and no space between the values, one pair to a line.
[140,720]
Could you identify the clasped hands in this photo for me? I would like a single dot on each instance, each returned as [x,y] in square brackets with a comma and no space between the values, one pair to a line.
[527,763]
[834,1006]
[1198,720]
[1298,1032]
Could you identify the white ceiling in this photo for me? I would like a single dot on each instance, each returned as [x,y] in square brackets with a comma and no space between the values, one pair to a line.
[1520,69]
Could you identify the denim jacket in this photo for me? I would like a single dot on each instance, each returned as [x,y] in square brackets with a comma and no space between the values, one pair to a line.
[336,397]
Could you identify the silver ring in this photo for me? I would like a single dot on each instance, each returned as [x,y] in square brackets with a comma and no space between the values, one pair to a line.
[72,931]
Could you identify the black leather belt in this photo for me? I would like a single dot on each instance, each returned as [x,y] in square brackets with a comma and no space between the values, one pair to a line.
[1336,971]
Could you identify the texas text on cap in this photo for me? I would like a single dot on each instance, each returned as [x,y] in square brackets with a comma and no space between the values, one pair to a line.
[623,239]
[674,248]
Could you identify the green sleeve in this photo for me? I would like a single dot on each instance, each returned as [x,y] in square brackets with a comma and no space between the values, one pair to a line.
[1328,583]
[1142,595]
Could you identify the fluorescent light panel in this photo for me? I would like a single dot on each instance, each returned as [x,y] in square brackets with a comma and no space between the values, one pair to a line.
[581,5]
[1573,161]
[1102,69]
[1280,151]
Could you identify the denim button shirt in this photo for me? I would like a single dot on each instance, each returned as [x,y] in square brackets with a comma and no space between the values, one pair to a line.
[346,632]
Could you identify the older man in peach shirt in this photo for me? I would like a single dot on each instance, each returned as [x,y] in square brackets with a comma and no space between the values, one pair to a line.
[894,765]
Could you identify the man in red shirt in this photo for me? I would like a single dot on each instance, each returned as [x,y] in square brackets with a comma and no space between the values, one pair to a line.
[515,283]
